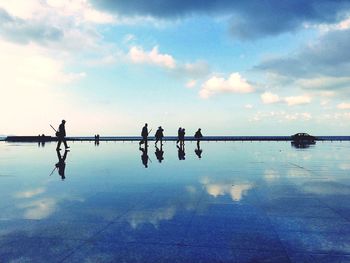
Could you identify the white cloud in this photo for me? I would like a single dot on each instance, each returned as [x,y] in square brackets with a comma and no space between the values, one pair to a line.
[248,106]
[269,98]
[191,83]
[129,38]
[342,25]
[81,10]
[297,100]
[324,82]
[139,56]
[216,85]
[298,116]
[197,69]
[32,79]
[343,106]
[281,116]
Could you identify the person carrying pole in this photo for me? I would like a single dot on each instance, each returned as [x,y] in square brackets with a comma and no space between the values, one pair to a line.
[61,135]
[144,134]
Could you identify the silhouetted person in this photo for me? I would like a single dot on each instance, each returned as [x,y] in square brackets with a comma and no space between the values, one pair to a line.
[181,152]
[61,135]
[144,156]
[198,135]
[144,134]
[178,135]
[159,135]
[61,165]
[159,153]
[97,139]
[198,151]
[182,136]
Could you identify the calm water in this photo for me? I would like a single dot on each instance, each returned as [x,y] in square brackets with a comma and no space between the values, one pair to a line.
[239,202]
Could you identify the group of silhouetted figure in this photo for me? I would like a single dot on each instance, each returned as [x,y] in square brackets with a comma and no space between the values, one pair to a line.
[159,135]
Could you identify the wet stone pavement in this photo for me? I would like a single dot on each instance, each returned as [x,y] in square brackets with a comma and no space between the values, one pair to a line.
[233,202]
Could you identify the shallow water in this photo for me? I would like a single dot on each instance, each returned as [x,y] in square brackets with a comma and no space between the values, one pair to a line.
[239,202]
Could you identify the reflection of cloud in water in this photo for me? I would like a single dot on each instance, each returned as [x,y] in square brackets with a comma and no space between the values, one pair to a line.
[326,188]
[30,193]
[271,175]
[307,156]
[191,189]
[186,201]
[237,191]
[39,209]
[298,172]
[152,217]
[344,166]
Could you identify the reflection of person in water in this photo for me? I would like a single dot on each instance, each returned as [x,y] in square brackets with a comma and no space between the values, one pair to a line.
[198,151]
[61,165]
[181,152]
[159,153]
[144,155]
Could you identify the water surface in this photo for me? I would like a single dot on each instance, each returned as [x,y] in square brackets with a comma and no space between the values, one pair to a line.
[239,202]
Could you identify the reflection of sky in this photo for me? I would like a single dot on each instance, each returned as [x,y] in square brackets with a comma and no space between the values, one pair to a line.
[229,170]
[236,191]
[108,182]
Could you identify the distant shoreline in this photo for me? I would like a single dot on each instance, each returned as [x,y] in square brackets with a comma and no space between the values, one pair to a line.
[167,138]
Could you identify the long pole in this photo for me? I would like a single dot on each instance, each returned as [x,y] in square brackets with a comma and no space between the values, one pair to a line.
[53,128]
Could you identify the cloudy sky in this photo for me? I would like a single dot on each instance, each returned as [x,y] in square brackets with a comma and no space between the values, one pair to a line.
[257,67]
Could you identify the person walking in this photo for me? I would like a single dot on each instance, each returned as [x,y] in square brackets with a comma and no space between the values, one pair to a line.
[178,135]
[182,137]
[198,135]
[61,135]
[159,135]
[144,134]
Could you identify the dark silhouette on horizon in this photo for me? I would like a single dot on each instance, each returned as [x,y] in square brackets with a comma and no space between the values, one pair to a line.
[61,165]
[159,136]
[159,153]
[198,151]
[97,140]
[198,135]
[178,135]
[181,136]
[61,135]
[41,141]
[181,152]
[144,134]
[144,155]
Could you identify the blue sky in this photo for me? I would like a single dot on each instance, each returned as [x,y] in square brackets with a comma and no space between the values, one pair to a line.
[230,67]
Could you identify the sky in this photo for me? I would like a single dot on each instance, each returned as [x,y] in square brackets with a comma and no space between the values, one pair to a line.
[255,67]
